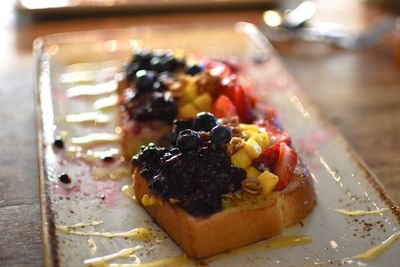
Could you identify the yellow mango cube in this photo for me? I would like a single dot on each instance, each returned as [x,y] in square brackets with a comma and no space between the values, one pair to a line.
[203,102]
[248,127]
[241,159]
[189,92]
[187,111]
[261,138]
[252,148]
[252,172]
[268,181]
[249,133]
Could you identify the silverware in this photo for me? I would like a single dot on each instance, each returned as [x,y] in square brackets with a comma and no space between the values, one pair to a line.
[281,26]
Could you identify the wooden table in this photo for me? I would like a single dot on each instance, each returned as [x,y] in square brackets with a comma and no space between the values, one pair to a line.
[359,91]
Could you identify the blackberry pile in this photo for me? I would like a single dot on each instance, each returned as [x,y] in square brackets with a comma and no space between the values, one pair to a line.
[197,170]
[149,73]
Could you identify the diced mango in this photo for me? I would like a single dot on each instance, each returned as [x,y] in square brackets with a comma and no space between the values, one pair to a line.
[261,138]
[148,200]
[189,92]
[203,102]
[248,127]
[252,172]
[187,111]
[249,133]
[241,159]
[268,181]
[252,148]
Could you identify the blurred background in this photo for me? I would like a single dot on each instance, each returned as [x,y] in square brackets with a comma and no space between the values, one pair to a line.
[344,53]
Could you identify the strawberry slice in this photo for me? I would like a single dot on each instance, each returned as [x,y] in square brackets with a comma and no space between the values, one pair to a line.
[267,158]
[243,104]
[276,136]
[224,108]
[284,165]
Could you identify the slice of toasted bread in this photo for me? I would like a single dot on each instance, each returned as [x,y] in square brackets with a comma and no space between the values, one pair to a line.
[202,237]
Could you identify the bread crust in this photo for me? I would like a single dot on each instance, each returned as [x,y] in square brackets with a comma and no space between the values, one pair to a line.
[202,237]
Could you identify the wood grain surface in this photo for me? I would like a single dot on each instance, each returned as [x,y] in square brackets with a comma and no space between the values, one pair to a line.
[359,91]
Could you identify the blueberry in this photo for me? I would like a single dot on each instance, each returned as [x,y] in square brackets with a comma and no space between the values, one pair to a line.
[144,81]
[58,142]
[180,125]
[159,87]
[204,121]
[131,70]
[157,64]
[188,140]
[64,178]
[194,69]
[221,134]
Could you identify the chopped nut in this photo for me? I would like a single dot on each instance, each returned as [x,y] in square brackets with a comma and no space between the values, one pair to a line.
[235,145]
[251,186]
[208,83]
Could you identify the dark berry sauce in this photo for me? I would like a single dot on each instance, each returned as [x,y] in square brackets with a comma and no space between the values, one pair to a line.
[149,73]
[195,172]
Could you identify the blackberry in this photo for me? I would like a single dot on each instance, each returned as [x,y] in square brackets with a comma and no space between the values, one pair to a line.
[188,140]
[154,106]
[180,125]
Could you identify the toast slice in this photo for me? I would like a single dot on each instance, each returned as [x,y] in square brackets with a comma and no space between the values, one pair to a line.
[230,228]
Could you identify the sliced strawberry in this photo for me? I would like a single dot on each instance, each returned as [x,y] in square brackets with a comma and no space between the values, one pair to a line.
[243,104]
[276,136]
[267,158]
[224,108]
[284,165]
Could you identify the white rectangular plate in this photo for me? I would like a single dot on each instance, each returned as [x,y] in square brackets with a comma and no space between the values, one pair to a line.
[341,180]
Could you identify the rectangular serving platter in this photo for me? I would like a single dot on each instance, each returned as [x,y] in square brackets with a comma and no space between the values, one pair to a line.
[342,181]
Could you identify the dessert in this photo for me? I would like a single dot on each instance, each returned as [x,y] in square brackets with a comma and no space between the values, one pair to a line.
[159,86]
[222,184]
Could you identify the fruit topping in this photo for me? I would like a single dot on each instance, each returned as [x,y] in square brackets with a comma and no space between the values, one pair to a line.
[188,140]
[144,81]
[204,121]
[224,108]
[285,165]
[195,173]
[194,69]
[153,106]
[58,142]
[64,178]
[221,134]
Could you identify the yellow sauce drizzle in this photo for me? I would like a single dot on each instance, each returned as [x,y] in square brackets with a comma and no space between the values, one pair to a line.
[150,201]
[92,246]
[87,117]
[93,89]
[95,139]
[360,212]
[377,250]
[65,227]
[273,243]
[111,172]
[128,191]
[102,261]
[167,262]
[106,103]
[95,155]
[137,233]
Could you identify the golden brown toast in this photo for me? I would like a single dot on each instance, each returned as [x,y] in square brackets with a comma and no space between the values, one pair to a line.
[202,237]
